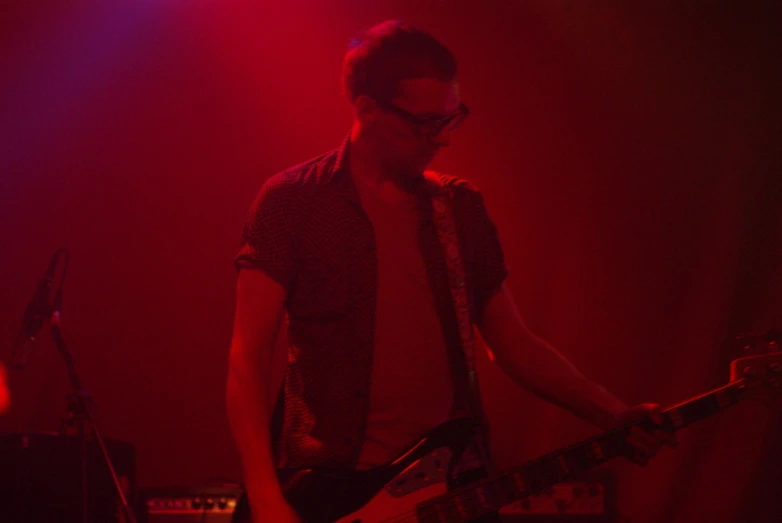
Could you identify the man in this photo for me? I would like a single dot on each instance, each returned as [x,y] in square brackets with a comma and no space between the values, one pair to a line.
[345,247]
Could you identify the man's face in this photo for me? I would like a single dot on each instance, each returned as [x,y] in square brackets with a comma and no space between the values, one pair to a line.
[411,128]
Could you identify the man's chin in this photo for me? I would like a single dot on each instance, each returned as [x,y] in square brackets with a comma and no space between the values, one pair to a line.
[421,166]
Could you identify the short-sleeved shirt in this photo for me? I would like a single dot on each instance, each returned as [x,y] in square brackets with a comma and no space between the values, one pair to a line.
[308,231]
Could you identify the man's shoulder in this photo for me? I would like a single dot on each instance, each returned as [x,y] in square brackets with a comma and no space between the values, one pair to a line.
[295,180]
[314,171]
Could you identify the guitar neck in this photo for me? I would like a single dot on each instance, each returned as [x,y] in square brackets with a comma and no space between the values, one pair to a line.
[581,457]
[535,476]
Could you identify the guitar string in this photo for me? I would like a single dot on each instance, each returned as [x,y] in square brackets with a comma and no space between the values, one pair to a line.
[411,515]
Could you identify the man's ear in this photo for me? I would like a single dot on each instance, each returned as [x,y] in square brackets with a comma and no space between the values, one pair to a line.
[365,108]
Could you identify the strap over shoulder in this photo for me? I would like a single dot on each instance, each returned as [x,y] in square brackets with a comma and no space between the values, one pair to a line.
[449,239]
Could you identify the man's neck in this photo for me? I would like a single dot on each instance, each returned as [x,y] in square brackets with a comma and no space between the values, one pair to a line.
[369,172]
[365,164]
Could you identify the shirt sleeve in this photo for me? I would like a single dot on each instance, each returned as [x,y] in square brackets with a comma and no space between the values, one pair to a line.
[489,270]
[268,238]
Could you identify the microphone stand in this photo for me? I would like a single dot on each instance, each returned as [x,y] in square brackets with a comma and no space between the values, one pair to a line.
[79,407]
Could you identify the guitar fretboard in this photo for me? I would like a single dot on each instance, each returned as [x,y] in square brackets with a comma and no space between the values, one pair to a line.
[533,477]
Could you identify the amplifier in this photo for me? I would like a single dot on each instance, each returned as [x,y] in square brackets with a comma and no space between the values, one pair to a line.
[187,505]
[41,478]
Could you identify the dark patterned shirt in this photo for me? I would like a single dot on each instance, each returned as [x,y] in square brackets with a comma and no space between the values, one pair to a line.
[308,231]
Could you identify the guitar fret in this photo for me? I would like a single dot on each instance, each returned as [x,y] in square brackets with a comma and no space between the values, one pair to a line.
[471,503]
[676,418]
[562,460]
[542,474]
[579,458]
[555,472]
[702,406]
[454,511]
[723,399]
[427,513]
[506,488]
[519,483]
[460,507]
[597,451]
[552,468]
[447,510]
[482,498]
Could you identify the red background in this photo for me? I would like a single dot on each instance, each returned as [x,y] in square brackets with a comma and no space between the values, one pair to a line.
[628,152]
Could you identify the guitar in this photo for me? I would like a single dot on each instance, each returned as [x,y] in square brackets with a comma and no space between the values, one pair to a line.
[415,487]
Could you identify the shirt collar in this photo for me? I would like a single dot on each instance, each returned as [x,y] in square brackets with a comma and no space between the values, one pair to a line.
[342,160]
[431,186]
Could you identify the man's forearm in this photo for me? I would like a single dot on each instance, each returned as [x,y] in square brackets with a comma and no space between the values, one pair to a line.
[541,369]
[247,404]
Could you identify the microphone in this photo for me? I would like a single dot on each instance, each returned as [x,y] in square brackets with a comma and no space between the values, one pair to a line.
[37,311]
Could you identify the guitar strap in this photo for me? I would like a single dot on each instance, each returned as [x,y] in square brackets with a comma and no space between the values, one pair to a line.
[446,232]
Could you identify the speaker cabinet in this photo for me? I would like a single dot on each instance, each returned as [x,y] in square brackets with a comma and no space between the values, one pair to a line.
[41,479]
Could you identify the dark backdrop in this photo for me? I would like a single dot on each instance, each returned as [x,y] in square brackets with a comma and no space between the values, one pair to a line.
[628,152]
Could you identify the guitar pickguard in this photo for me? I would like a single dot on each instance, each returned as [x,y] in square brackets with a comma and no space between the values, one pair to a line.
[424,479]
[430,469]
[324,495]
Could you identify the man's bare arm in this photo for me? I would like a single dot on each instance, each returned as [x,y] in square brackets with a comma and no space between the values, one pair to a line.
[259,312]
[540,368]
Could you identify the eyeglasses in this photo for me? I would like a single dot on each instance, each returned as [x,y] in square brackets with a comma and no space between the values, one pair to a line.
[429,126]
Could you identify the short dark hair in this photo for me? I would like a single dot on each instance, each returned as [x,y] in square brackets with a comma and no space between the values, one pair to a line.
[389,52]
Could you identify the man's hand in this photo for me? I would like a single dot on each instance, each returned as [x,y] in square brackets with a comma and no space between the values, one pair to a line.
[644,444]
[282,514]
[278,512]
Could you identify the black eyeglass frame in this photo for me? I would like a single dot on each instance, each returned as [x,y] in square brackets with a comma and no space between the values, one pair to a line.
[428,126]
